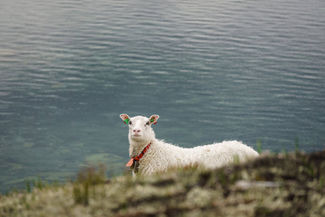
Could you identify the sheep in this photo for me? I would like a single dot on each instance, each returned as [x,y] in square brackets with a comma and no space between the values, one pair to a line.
[150,155]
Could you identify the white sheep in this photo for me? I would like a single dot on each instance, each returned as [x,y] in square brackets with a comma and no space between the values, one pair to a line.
[159,156]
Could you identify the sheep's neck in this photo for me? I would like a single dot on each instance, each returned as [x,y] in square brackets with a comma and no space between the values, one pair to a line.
[136,147]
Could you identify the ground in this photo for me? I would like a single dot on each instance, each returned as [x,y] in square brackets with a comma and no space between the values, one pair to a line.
[273,185]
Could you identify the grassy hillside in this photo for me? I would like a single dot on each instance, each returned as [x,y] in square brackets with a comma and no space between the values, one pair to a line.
[273,185]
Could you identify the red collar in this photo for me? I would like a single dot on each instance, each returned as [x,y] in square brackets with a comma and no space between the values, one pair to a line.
[137,158]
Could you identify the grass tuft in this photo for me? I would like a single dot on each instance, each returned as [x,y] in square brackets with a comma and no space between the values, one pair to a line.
[259,146]
[86,179]
[297,145]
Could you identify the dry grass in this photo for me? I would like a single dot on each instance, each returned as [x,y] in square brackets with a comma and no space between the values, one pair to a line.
[273,185]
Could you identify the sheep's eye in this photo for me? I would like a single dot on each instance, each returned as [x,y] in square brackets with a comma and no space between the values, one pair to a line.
[147,123]
[130,122]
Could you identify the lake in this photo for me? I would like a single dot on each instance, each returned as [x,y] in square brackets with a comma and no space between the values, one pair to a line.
[213,70]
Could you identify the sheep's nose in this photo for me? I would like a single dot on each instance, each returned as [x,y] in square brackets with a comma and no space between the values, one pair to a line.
[136,130]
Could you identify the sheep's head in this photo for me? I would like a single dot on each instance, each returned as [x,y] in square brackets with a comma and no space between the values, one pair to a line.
[140,127]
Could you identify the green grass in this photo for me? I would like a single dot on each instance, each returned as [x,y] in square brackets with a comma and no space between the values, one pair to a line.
[35,183]
[259,146]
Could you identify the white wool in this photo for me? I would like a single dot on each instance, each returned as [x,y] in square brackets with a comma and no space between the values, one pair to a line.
[162,156]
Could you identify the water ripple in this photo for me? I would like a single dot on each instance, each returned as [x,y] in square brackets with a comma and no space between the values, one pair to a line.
[244,70]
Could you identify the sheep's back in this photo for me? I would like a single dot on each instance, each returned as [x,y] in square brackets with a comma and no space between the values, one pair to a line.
[220,154]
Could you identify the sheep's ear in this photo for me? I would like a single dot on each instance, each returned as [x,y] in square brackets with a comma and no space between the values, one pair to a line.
[125,118]
[153,119]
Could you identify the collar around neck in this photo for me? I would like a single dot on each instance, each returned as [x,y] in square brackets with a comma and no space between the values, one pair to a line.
[138,157]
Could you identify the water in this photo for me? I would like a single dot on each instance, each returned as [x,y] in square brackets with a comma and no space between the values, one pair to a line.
[213,70]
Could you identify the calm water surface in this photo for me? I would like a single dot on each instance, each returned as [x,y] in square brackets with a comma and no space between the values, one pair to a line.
[212,69]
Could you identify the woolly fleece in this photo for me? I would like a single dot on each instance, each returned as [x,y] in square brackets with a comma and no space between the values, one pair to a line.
[161,155]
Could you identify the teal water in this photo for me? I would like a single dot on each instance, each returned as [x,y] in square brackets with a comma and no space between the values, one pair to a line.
[213,70]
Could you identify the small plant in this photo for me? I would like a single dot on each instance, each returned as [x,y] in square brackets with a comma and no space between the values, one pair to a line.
[35,183]
[284,152]
[87,178]
[296,145]
[92,175]
[259,146]
[38,183]
[81,193]
[28,186]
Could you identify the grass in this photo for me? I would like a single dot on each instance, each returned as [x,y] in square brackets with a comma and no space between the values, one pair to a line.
[291,184]
[87,178]
[35,183]
[259,146]
[296,145]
